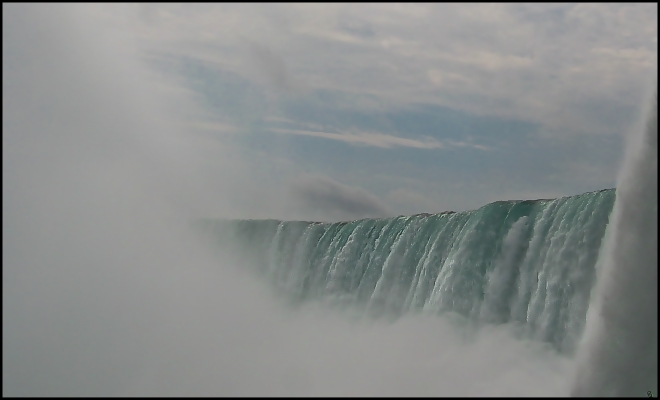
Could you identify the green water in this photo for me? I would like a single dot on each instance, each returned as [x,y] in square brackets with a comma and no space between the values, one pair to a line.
[527,262]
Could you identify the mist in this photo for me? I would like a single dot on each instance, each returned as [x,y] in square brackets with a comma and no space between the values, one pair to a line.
[105,291]
[619,354]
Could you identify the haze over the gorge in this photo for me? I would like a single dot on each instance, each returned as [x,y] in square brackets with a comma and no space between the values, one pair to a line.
[122,124]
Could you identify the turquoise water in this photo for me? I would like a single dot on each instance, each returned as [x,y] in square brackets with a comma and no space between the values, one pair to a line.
[527,262]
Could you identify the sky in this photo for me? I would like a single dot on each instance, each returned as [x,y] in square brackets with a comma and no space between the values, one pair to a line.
[343,111]
[339,112]
[121,123]
[347,111]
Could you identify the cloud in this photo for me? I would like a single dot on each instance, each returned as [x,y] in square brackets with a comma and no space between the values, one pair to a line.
[218,127]
[573,70]
[356,27]
[334,200]
[367,138]
[272,66]
[509,60]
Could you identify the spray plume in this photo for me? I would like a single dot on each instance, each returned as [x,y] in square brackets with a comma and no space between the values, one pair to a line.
[619,354]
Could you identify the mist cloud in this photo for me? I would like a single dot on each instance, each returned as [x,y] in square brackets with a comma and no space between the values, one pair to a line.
[334,200]
[105,292]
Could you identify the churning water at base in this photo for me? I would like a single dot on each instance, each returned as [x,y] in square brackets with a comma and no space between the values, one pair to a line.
[529,263]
